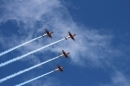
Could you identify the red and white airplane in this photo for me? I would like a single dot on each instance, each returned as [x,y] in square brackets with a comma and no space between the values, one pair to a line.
[47,33]
[60,68]
[70,36]
[64,54]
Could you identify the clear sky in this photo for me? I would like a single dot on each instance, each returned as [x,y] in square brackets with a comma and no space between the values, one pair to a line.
[99,56]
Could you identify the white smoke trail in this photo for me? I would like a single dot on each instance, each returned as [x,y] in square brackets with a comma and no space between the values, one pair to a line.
[25,70]
[23,56]
[11,49]
[34,79]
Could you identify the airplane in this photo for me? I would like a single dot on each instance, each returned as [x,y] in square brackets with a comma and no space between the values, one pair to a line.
[60,68]
[70,36]
[64,54]
[47,33]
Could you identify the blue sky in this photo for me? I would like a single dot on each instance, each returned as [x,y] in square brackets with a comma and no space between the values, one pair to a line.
[98,57]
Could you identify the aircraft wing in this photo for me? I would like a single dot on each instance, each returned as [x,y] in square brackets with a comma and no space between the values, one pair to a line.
[61,70]
[72,38]
[69,32]
[49,35]
[47,31]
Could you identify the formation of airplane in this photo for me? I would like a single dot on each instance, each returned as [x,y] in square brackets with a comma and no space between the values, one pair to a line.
[47,33]
[60,68]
